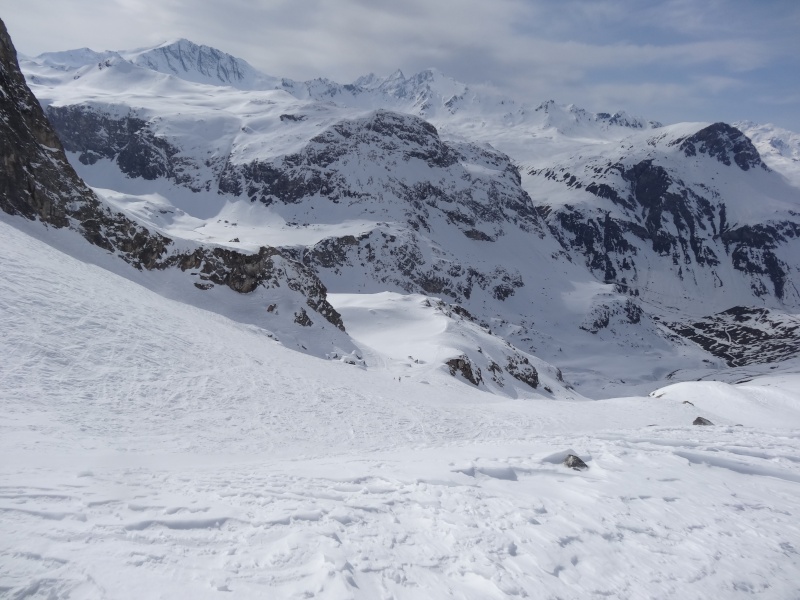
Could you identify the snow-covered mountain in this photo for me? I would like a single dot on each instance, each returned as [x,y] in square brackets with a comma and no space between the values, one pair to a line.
[162,435]
[561,230]
[259,272]
[39,184]
[778,147]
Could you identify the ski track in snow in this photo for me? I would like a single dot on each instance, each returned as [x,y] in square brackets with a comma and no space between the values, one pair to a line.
[152,449]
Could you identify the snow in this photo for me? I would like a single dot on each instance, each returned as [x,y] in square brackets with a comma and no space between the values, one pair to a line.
[583,294]
[162,441]
[151,448]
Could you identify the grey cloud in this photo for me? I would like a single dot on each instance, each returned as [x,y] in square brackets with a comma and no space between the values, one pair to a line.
[573,50]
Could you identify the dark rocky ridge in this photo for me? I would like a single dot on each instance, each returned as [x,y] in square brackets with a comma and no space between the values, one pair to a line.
[744,335]
[725,143]
[36,179]
[400,264]
[128,141]
[391,139]
[684,223]
[39,183]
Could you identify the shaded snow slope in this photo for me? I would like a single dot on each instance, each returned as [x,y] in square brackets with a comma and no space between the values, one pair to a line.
[413,336]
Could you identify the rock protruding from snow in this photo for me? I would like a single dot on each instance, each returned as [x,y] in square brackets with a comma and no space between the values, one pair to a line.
[37,180]
[701,421]
[575,462]
[725,143]
[670,204]
[464,367]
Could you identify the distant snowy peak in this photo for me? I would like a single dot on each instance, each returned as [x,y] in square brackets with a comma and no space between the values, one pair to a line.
[771,140]
[428,84]
[569,119]
[201,64]
[429,94]
[69,60]
[725,143]
[779,148]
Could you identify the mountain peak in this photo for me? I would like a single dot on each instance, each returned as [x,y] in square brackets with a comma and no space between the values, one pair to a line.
[200,64]
[725,143]
[75,59]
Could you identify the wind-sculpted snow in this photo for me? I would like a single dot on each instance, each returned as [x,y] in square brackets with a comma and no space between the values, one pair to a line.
[414,336]
[145,455]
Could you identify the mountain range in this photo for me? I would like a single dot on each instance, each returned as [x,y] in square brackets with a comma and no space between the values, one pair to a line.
[566,234]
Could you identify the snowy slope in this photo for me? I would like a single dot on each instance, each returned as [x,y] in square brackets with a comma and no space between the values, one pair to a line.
[145,456]
[779,147]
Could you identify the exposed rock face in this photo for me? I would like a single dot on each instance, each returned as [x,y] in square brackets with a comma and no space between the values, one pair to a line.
[403,260]
[725,143]
[463,366]
[391,150]
[520,368]
[127,140]
[601,315]
[657,209]
[701,421]
[744,335]
[38,183]
[36,177]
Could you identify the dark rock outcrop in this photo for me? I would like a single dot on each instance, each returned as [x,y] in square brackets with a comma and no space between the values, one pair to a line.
[394,141]
[519,368]
[463,366]
[37,180]
[725,143]
[745,335]
[575,462]
[399,263]
[127,140]
[701,421]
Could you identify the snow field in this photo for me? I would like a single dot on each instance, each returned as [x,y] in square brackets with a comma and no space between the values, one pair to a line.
[475,521]
[153,449]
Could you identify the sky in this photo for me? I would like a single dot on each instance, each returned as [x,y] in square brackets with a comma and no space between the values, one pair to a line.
[665,60]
